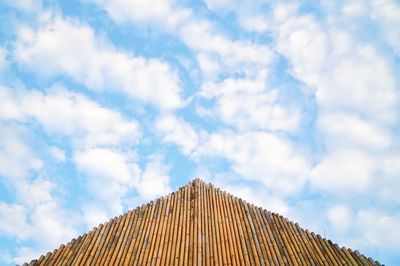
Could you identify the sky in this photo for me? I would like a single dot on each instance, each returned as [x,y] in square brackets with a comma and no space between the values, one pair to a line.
[291,105]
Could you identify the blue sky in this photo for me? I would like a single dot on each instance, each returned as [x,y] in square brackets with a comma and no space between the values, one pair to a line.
[293,106]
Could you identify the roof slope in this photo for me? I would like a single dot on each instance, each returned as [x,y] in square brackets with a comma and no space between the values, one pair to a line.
[201,225]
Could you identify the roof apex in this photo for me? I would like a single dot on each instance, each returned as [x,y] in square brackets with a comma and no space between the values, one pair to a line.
[201,216]
[196,181]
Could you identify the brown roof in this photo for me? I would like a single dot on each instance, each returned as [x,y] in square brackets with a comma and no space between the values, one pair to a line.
[201,225]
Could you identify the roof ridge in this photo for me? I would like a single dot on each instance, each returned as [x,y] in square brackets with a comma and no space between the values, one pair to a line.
[196,203]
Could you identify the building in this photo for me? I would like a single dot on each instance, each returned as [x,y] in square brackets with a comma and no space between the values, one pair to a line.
[201,225]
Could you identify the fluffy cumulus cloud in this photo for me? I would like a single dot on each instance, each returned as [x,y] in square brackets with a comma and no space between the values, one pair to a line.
[386,13]
[255,195]
[357,95]
[68,47]
[355,172]
[340,217]
[354,131]
[250,17]
[13,221]
[61,112]
[39,219]
[196,32]
[101,144]
[49,227]
[154,180]
[255,155]
[379,228]
[26,5]
[88,126]
[57,153]
[36,218]
[348,74]
[71,114]
[260,156]
[14,150]
[290,105]
[167,13]
[178,132]
[355,92]
[246,104]
[3,58]
[376,227]
[110,174]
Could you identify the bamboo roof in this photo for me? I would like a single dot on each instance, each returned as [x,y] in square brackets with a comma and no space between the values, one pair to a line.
[201,225]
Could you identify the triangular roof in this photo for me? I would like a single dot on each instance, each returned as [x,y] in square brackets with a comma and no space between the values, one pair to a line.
[201,225]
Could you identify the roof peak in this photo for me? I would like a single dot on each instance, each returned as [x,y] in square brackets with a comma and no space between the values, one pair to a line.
[200,216]
[196,181]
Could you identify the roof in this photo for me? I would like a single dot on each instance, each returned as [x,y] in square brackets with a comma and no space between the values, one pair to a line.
[201,225]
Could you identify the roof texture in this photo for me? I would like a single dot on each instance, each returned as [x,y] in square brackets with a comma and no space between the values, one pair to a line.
[201,225]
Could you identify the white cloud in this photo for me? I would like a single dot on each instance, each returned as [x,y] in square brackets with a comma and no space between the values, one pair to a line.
[242,98]
[39,191]
[51,226]
[25,5]
[379,228]
[38,218]
[3,58]
[9,108]
[248,105]
[57,153]
[354,8]
[302,41]
[163,13]
[343,130]
[198,34]
[218,4]
[177,131]
[26,254]
[355,89]
[16,157]
[105,162]
[13,219]
[202,37]
[45,220]
[94,214]
[370,229]
[251,15]
[349,170]
[387,14]
[96,135]
[366,228]
[284,11]
[370,80]
[387,182]
[257,23]
[260,156]
[69,114]
[255,155]
[340,217]
[154,181]
[6,257]
[110,174]
[65,47]
[209,65]
[348,74]
[381,14]
[259,197]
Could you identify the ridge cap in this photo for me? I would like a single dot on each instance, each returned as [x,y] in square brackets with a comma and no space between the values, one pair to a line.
[195,182]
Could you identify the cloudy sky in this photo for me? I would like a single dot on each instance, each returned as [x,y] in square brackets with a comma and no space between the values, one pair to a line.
[105,105]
